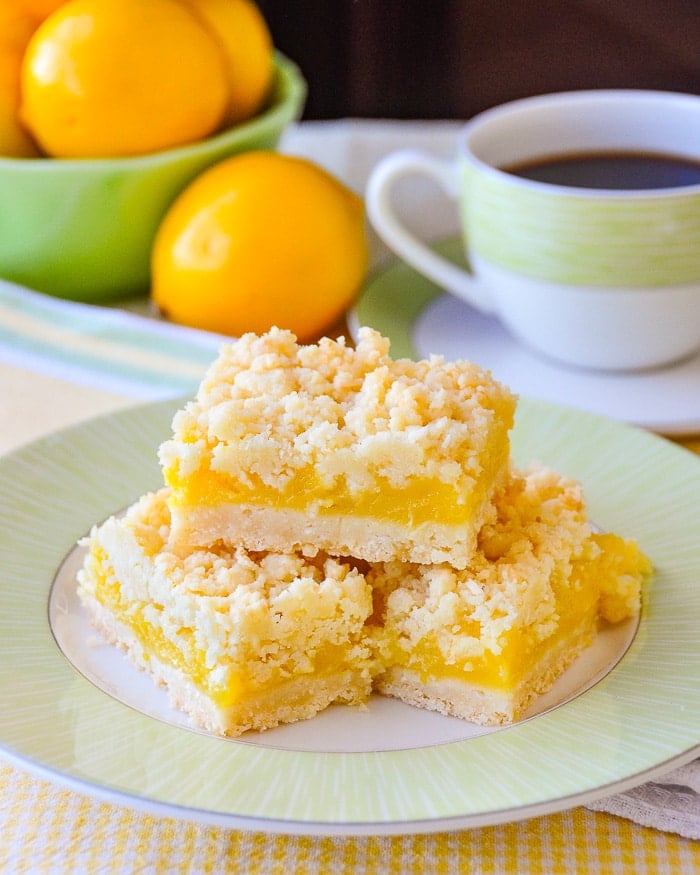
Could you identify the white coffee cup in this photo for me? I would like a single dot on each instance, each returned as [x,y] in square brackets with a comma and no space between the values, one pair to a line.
[598,278]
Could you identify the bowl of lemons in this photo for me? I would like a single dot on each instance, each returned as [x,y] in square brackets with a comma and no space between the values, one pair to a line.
[108,110]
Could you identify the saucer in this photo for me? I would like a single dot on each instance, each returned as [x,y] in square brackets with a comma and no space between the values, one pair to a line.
[420,319]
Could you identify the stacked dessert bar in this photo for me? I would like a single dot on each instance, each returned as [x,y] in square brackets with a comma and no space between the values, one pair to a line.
[334,522]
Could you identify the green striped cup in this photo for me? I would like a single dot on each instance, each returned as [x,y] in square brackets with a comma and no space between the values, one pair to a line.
[597,278]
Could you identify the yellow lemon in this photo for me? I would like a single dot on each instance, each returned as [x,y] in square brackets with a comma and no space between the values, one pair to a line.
[38,9]
[104,78]
[247,47]
[260,239]
[15,142]
[16,29]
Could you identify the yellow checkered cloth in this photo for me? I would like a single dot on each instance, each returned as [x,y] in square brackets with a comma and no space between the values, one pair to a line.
[44,828]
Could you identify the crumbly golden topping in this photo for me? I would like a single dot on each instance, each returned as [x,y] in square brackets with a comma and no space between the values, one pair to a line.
[269,408]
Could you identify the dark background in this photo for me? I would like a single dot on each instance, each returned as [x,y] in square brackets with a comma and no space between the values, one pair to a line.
[452,58]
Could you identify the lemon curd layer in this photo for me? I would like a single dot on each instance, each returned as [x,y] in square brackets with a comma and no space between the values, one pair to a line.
[340,440]
[418,502]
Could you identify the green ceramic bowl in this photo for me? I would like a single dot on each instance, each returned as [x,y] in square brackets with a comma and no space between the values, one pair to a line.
[83,228]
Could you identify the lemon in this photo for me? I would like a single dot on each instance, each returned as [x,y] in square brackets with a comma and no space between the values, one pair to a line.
[38,9]
[260,239]
[16,28]
[104,78]
[247,47]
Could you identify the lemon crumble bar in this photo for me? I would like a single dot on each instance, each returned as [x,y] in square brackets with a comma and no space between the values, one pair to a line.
[336,522]
[241,640]
[484,642]
[325,447]
[251,640]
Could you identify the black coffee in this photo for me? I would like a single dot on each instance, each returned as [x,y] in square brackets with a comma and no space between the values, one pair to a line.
[612,170]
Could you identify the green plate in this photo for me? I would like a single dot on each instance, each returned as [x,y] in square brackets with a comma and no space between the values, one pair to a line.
[638,720]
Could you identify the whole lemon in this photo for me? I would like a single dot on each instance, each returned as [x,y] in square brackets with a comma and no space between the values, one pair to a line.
[247,47]
[38,9]
[16,28]
[105,78]
[15,142]
[260,239]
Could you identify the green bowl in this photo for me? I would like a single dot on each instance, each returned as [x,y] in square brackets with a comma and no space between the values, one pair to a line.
[83,228]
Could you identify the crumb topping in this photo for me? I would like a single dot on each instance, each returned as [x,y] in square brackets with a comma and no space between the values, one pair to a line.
[268,408]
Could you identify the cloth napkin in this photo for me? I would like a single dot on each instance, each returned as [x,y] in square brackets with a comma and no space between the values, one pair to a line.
[670,803]
[127,350]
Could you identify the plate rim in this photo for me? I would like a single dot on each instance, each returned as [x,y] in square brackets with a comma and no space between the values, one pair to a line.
[155,808]
[140,422]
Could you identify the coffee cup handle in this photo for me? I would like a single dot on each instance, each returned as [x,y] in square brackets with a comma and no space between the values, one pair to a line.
[404,243]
